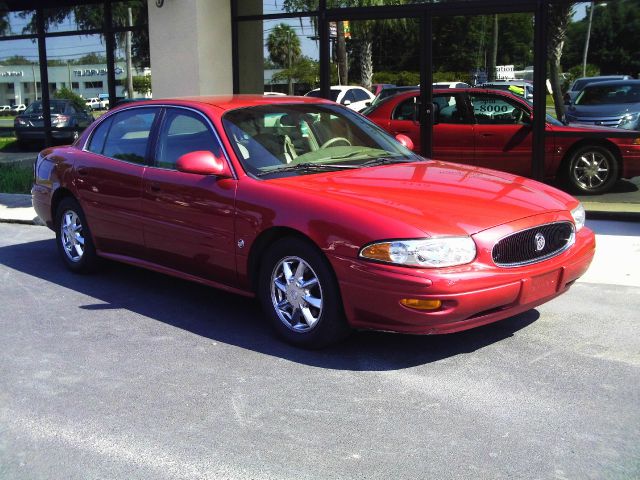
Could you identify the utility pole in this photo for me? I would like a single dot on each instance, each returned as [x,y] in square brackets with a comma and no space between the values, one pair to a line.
[586,42]
[289,64]
[494,51]
[128,53]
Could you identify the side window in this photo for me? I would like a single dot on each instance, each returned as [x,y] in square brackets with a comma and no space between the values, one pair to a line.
[349,96]
[129,135]
[71,109]
[497,110]
[96,143]
[407,110]
[182,132]
[448,109]
[359,95]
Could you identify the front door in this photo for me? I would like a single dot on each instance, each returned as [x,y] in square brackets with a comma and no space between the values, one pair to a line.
[189,218]
[502,133]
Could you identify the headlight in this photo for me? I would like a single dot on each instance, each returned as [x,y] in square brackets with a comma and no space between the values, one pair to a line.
[578,215]
[629,121]
[431,252]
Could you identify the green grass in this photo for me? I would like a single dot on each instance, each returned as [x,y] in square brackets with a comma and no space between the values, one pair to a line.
[7,143]
[15,179]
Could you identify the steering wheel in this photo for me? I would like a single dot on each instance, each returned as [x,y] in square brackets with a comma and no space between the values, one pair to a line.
[517,115]
[333,140]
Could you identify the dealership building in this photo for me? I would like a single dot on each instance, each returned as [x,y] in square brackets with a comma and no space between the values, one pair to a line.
[21,84]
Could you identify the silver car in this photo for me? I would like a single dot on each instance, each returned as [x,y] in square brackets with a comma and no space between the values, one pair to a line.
[609,104]
[582,82]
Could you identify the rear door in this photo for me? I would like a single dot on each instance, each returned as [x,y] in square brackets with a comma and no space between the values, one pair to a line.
[109,180]
[189,218]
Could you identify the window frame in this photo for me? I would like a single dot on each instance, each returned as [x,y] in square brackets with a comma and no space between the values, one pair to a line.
[153,160]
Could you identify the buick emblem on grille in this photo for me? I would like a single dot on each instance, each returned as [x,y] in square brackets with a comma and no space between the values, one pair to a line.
[540,241]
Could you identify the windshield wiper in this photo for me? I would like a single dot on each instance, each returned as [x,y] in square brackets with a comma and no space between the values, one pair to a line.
[307,167]
[374,162]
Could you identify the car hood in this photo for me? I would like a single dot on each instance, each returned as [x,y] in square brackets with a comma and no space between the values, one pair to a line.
[439,198]
[606,110]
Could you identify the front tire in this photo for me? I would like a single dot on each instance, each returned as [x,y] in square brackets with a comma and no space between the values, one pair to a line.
[592,170]
[299,294]
[73,237]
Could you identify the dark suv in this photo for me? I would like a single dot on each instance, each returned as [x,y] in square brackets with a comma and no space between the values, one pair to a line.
[65,116]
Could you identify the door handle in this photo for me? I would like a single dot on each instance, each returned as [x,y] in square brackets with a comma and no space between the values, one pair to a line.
[486,134]
[83,171]
[154,187]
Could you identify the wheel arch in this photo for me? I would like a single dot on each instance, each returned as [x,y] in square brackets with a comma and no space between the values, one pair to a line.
[264,241]
[587,142]
[60,194]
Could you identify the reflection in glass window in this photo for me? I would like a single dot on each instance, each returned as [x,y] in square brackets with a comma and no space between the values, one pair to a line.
[129,135]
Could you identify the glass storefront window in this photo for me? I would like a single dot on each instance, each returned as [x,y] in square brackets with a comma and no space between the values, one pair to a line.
[17,23]
[266,7]
[73,18]
[132,65]
[19,73]
[278,56]
[120,13]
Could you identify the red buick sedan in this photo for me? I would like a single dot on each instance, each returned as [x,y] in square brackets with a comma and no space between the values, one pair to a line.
[493,129]
[330,222]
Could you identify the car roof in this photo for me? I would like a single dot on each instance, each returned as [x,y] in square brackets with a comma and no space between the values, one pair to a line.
[613,83]
[230,102]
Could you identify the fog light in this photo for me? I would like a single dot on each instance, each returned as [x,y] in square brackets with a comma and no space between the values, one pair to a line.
[418,304]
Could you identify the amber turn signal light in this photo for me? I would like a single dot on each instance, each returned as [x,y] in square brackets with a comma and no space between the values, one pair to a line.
[418,304]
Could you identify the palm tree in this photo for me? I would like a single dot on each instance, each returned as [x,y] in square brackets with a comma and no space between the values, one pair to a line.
[559,18]
[284,48]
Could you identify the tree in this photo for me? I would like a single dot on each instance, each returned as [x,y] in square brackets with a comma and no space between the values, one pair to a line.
[559,18]
[305,71]
[284,48]
[17,60]
[76,99]
[142,84]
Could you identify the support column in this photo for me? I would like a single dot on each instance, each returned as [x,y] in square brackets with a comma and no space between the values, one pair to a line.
[190,45]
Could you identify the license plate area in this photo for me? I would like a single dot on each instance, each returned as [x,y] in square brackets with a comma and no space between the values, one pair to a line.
[540,286]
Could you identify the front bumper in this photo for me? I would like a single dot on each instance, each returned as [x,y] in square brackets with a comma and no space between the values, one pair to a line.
[33,134]
[471,295]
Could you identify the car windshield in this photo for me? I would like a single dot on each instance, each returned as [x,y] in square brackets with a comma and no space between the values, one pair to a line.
[609,94]
[333,93]
[294,139]
[36,107]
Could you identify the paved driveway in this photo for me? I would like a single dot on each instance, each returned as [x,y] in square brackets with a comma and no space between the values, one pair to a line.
[131,374]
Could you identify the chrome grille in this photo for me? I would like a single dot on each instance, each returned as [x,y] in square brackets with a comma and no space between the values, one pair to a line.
[533,244]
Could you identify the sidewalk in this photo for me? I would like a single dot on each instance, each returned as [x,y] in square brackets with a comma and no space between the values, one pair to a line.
[17,208]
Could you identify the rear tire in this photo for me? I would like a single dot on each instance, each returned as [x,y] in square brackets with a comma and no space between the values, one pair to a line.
[300,295]
[591,170]
[73,237]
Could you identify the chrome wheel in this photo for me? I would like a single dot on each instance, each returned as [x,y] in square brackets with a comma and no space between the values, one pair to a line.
[72,236]
[591,170]
[296,294]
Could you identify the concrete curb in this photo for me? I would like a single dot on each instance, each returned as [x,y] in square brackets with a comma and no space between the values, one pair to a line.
[17,208]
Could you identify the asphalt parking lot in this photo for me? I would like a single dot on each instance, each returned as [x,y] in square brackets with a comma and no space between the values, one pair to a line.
[132,374]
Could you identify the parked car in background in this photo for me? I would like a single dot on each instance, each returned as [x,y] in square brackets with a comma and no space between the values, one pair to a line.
[451,85]
[96,103]
[18,108]
[328,220]
[354,97]
[582,82]
[64,114]
[5,108]
[275,94]
[386,93]
[522,88]
[376,88]
[615,103]
[490,128]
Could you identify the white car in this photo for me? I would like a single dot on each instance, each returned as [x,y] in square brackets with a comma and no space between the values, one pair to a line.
[5,108]
[96,104]
[356,98]
[19,108]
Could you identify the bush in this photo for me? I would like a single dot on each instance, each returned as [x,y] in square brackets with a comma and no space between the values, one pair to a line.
[77,100]
[576,72]
[405,78]
[15,178]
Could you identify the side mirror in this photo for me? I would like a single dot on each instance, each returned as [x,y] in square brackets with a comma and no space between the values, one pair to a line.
[203,162]
[346,102]
[405,141]
[527,119]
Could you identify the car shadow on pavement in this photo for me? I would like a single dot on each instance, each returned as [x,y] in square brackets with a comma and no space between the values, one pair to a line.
[238,321]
